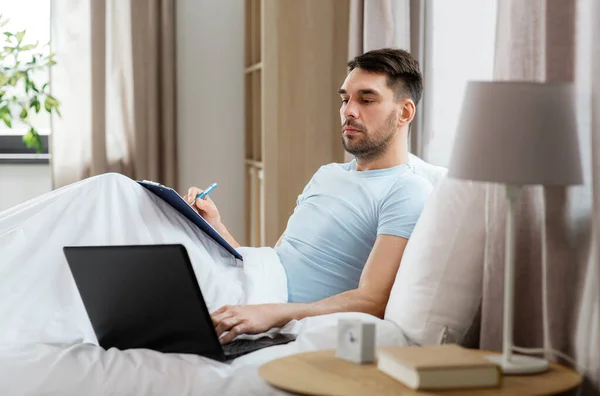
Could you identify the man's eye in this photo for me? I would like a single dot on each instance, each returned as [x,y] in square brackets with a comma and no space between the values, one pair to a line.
[367,101]
[345,101]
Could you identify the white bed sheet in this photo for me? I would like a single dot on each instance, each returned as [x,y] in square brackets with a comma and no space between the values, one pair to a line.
[47,345]
[39,301]
[86,369]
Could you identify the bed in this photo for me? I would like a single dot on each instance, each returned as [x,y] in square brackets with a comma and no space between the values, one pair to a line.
[434,299]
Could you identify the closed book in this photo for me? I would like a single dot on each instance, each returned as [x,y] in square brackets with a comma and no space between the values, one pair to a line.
[438,367]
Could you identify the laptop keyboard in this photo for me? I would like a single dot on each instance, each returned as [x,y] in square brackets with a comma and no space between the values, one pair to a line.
[241,347]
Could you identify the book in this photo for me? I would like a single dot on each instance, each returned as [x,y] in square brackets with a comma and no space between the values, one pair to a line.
[438,367]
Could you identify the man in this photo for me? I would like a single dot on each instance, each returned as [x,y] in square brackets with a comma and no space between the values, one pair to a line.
[344,242]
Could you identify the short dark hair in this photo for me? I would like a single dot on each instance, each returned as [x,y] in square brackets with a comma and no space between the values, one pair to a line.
[401,69]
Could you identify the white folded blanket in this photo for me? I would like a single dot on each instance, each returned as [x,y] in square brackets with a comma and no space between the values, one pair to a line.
[39,301]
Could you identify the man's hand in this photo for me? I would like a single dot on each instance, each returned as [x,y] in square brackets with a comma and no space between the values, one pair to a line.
[206,208]
[247,319]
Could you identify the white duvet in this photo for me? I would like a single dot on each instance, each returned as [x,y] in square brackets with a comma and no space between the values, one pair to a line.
[47,345]
[85,369]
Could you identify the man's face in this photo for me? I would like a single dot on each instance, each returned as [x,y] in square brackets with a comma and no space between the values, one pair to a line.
[369,114]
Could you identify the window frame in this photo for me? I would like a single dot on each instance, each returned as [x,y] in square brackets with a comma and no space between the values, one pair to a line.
[13,150]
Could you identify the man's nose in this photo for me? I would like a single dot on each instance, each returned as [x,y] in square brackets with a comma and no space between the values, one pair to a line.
[351,110]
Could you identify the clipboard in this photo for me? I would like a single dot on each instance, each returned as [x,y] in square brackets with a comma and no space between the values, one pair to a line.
[171,197]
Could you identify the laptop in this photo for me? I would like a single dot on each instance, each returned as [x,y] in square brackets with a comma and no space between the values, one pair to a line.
[147,296]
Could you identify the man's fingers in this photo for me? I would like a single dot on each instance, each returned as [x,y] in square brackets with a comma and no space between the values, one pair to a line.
[220,314]
[216,319]
[192,194]
[221,310]
[234,332]
[226,325]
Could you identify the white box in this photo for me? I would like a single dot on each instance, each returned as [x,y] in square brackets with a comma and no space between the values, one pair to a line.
[356,341]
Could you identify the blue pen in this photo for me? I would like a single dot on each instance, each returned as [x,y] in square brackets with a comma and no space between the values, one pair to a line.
[207,191]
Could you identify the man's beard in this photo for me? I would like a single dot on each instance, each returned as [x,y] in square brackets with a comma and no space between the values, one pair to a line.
[371,145]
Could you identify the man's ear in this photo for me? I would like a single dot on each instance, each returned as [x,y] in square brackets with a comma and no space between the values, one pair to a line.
[407,112]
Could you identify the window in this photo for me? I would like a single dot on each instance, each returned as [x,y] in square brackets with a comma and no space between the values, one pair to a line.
[33,16]
[463,42]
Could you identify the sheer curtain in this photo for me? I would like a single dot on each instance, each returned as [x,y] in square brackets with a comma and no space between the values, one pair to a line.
[459,47]
[115,77]
[557,268]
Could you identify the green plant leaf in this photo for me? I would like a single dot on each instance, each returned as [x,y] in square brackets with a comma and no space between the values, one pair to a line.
[28,47]
[34,103]
[12,81]
[48,106]
[52,100]
[19,36]
[8,34]
[6,118]
[32,139]
[23,114]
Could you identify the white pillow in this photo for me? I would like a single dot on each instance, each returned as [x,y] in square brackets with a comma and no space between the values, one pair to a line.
[433,173]
[439,283]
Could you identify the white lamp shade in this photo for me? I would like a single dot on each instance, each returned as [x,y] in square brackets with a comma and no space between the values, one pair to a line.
[517,133]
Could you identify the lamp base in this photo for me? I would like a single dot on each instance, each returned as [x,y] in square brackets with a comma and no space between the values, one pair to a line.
[519,364]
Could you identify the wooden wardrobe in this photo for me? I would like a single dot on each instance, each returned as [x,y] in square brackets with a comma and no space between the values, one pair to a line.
[295,61]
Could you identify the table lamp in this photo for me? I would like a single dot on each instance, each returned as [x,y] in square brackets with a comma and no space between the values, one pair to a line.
[516,134]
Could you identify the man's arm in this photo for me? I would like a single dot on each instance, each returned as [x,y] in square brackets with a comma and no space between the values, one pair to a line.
[208,210]
[370,297]
[221,229]
[373,290]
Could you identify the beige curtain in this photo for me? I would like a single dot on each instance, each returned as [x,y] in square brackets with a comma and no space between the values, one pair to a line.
[553,41]
[115,77]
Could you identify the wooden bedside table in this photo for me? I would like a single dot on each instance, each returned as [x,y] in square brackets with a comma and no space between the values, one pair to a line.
[321,373]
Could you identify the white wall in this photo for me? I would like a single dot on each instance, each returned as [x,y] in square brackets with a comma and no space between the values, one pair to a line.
[210,117]
[21,182]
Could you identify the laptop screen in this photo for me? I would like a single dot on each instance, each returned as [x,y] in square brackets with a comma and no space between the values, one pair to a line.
[144,296]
